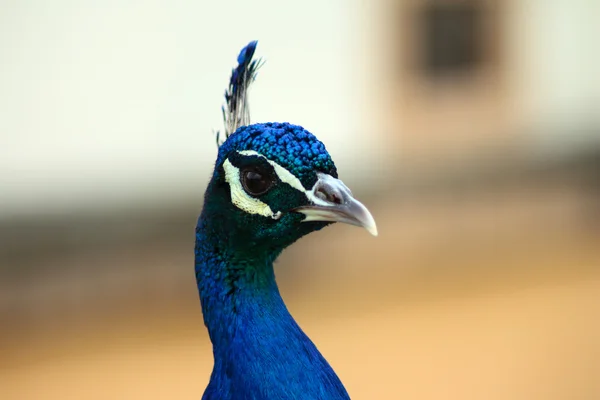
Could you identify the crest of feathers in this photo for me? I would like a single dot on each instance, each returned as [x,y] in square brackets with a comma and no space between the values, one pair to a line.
[236,111]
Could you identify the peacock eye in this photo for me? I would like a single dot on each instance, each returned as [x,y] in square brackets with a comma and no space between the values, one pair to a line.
[255,182]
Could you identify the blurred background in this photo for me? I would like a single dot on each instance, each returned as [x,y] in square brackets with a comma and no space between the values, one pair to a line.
[470,128]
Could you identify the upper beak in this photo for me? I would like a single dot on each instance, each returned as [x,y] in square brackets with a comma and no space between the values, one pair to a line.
[332,201]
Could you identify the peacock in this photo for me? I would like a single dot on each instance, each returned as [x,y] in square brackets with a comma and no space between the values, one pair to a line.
[272,184]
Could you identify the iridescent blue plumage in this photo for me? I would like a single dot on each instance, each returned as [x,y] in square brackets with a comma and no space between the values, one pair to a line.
[254,207]
[294,148]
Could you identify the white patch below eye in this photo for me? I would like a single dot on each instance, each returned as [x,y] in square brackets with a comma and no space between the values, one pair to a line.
[243,200]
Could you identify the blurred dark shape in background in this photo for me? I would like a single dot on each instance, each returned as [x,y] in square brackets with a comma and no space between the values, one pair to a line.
[485,182]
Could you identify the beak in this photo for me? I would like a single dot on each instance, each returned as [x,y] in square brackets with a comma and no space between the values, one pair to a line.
[332,201]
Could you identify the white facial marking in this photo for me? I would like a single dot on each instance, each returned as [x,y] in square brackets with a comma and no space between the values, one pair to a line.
[243,200]
[251,205]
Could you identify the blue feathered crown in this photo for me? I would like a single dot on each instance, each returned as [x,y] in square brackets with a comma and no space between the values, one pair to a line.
[236,111]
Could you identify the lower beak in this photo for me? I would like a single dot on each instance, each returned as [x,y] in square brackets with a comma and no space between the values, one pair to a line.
[332,201]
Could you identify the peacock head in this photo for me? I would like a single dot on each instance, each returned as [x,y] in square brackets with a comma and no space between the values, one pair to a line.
[276,182]
[273,182]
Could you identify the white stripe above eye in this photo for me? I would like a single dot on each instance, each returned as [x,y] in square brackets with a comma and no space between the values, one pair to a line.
[283,174]
[287,177]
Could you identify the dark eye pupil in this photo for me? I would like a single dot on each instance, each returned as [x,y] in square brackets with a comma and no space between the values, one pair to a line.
[255,183]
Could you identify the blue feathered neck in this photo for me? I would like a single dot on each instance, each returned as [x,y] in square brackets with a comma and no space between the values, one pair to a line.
[259,351]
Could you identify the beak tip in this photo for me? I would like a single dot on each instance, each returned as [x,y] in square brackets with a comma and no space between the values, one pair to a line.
[372,228]
[368,222]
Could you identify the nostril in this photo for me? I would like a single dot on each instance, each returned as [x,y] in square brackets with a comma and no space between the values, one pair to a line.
[322,194]
[330,195]
[335,199]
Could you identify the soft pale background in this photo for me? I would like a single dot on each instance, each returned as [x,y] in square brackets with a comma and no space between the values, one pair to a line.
[483,284]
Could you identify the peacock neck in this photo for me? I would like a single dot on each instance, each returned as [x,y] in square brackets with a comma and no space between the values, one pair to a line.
[241,303]
[256,342]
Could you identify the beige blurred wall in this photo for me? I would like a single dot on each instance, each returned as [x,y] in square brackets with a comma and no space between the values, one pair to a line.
[535,85]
